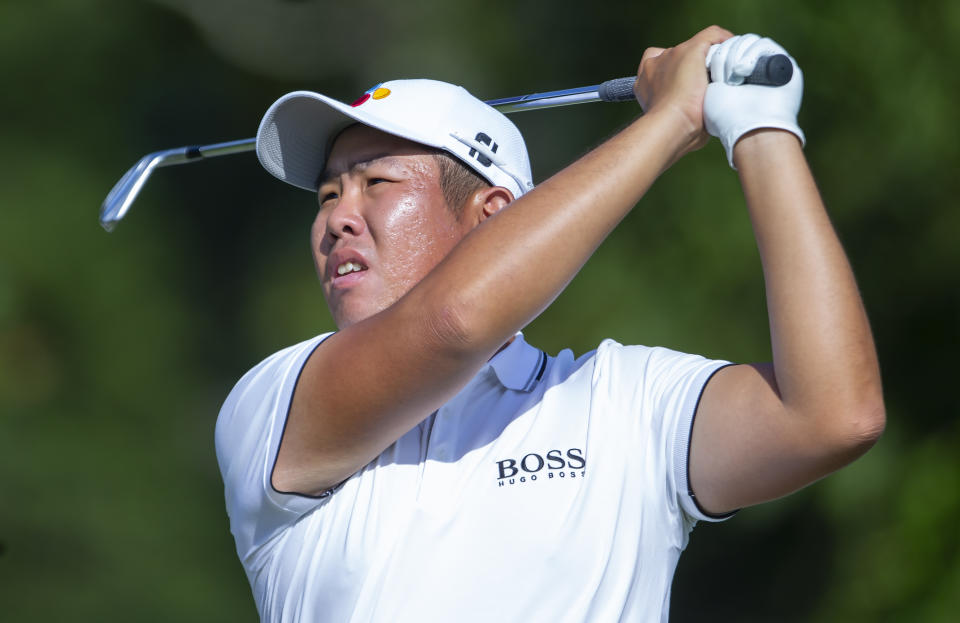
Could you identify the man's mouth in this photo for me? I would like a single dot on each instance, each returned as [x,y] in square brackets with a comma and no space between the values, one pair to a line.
[349,267]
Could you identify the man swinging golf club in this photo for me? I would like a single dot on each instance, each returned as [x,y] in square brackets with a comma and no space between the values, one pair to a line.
[424,463]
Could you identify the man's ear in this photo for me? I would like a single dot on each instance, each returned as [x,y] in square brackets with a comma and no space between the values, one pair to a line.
[487,201]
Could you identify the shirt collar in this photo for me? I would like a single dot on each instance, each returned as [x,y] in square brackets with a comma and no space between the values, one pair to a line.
[519,366]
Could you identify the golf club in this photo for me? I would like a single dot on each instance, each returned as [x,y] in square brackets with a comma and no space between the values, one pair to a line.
[775,70]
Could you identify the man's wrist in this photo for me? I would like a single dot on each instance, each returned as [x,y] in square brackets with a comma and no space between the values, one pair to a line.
[759,144]
[680,134]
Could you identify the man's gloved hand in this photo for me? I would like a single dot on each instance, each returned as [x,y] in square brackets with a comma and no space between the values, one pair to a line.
[731,108]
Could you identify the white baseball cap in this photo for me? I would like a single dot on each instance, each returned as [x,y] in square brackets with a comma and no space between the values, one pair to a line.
[298,130]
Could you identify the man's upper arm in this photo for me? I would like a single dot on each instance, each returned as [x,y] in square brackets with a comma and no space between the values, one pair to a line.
[748,447]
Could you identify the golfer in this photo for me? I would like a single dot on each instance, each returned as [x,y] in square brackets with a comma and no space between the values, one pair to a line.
[424,463]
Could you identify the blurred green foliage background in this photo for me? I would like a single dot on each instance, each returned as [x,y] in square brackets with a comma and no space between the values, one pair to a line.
[117,350]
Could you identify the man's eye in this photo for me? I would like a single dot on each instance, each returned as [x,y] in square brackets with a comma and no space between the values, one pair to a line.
[327,197]
[376,180]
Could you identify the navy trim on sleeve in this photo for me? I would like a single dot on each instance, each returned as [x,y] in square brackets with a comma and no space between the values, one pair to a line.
[696,409]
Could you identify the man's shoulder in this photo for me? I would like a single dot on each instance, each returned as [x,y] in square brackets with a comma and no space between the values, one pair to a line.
[609,362]
[610,349]
[262,393]
[273,371]
[609,352]
[283,358]
[626,365]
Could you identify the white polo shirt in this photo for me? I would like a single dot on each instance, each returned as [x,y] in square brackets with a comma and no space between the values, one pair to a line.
[549,489]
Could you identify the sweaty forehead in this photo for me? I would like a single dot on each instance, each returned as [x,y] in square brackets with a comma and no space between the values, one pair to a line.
[359,146]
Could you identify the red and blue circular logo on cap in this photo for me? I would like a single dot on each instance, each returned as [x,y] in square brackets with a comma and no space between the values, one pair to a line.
[376,92]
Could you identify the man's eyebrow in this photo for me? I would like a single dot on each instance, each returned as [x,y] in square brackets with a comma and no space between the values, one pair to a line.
[360,163]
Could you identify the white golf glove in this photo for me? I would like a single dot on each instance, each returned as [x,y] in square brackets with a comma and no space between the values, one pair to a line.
[731,108]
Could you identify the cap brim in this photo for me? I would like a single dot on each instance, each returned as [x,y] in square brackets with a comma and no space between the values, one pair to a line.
[295,135]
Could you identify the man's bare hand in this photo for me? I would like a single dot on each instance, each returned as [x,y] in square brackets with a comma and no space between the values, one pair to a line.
[674,80]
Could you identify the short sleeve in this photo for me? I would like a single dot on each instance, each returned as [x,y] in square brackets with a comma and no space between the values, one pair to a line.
[662,389]
[248,433]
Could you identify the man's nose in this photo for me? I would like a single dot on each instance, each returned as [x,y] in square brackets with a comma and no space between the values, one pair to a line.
[346,218]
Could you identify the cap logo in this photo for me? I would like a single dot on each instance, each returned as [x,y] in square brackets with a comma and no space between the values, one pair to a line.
[376,91]
[486,140]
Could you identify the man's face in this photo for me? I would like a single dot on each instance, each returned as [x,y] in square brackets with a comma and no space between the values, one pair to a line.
[383,223]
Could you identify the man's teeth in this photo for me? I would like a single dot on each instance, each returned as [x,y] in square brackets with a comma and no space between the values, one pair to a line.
[349,267]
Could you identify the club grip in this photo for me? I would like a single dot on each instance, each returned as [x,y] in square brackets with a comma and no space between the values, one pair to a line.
[771,71]
[617,90]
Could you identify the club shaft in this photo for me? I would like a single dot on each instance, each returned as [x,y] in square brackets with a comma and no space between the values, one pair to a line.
[550,99]
[773,71]
[507,105]
[123,194]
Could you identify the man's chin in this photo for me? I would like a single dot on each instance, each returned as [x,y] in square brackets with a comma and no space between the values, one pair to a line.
[353,306]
